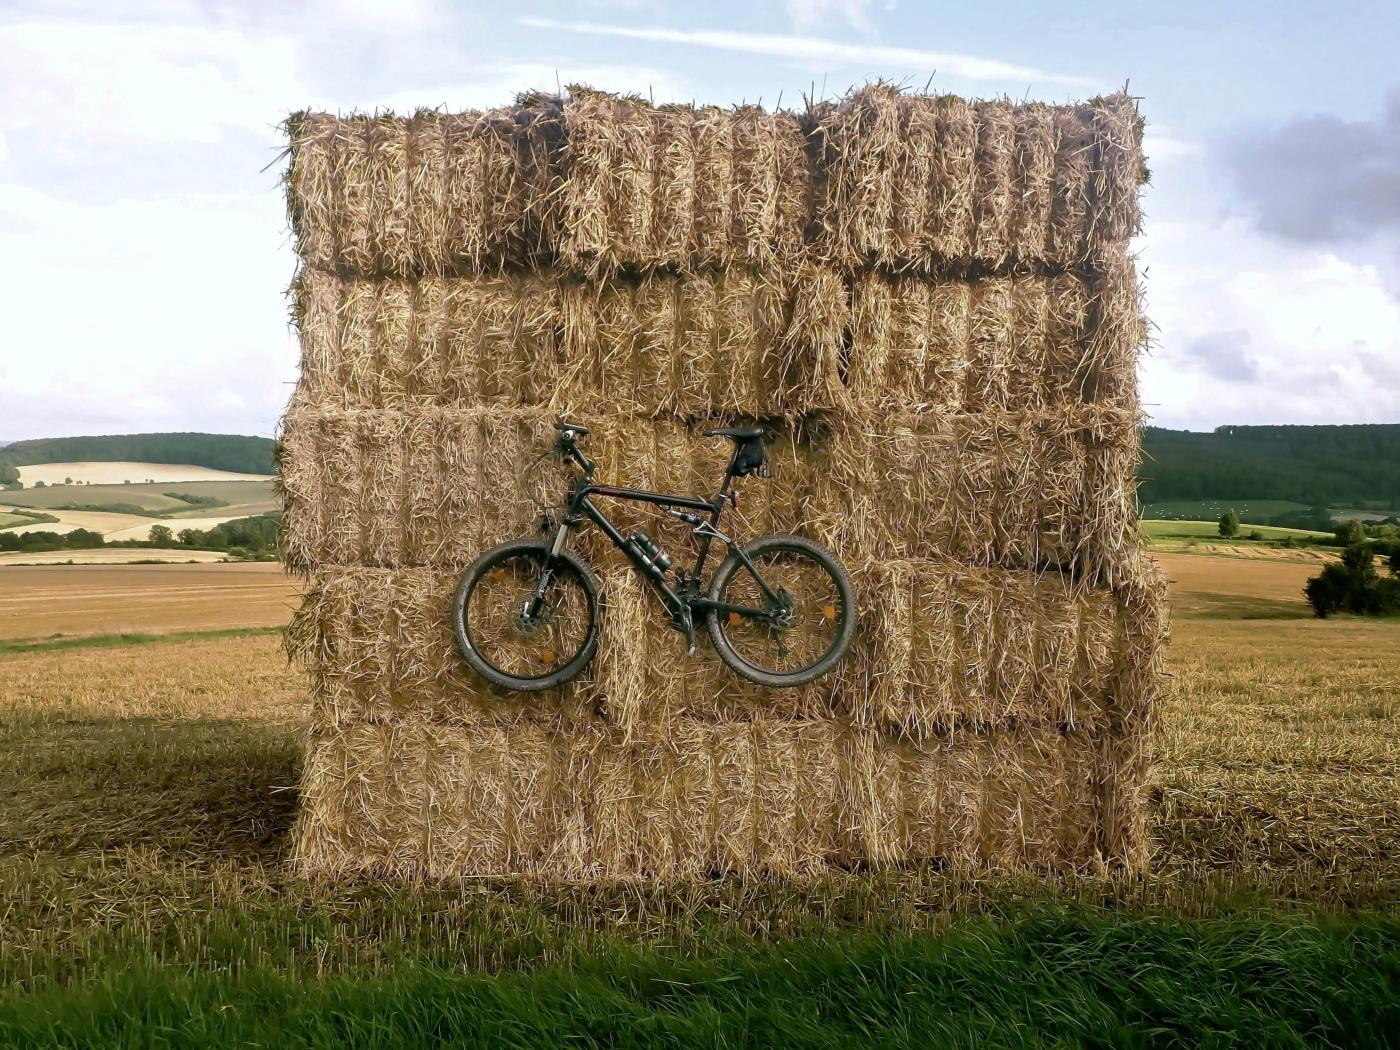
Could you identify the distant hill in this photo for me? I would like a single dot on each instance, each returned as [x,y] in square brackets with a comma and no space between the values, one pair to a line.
[1340,466]
[243,455]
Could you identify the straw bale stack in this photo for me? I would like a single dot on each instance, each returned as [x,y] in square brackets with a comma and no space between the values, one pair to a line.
[929,305]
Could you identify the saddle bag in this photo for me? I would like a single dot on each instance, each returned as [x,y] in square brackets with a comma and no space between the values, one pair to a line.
[751,458]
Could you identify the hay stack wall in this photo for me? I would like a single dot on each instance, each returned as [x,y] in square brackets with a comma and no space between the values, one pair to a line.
[927,302]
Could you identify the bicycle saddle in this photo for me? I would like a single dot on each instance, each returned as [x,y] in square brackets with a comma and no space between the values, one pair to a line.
[577,428]
[737,433]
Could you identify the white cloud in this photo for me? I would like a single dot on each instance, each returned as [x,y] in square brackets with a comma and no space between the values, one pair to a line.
[1163,146]
[1311,325]
[126,84]
[816,52]
[809,14]
[127,313]
[399,14]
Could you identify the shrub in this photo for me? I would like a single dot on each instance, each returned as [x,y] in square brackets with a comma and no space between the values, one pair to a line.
[1229,524]
[1353,585]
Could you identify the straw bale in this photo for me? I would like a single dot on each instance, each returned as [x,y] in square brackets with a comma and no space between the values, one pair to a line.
[1007,799]
[1071,185]
[999,343]
[709,797]
[365,801]
[940,185]
[909,344]
[1017,489]
[737,342]
[945,649]
[682,347]
[677,186]
[1116,334]
[1120,169]
[426,799]
[378,646]
[310,187]
[405,196]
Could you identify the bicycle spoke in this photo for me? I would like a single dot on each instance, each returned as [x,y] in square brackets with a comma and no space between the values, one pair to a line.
[512,642]
[802,631]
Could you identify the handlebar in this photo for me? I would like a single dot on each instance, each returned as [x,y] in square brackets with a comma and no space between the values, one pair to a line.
[566,446]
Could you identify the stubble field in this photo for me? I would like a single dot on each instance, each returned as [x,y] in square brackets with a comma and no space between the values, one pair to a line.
[150,784]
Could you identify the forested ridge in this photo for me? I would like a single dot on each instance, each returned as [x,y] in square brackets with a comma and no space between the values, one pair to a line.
[244,455]
[1357,465]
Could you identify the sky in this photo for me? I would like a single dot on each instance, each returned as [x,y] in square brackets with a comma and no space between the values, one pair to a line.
[145,255]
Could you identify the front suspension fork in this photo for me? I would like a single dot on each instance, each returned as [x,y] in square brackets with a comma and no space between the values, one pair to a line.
[535,602]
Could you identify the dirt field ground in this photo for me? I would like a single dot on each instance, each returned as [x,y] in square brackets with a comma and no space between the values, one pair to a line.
[40,601]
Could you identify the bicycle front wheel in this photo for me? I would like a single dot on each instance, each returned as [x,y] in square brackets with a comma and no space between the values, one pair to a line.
[524,619]
[808,611]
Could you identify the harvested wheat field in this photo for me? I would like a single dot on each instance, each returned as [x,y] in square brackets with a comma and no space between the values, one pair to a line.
[47,601]
[927,303]
[119,473]
[152,789]
[111,556]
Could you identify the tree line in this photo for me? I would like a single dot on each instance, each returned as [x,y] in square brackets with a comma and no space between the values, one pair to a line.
[254,537]
[232,452]
[1314,465]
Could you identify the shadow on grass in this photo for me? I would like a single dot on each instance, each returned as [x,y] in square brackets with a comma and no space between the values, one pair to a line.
[1208,605]
[215,788]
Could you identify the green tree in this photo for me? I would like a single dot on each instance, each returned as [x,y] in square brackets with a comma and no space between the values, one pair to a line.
[1229,524]
[190,538]
[40,485]
[1350,532]
[161,536]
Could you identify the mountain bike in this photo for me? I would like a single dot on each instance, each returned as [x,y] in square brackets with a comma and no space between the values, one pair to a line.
[780,610]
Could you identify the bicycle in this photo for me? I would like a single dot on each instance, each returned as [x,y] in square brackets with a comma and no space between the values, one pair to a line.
[780,610]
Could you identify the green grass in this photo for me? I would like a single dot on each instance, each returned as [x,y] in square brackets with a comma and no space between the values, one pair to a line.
[109,641]
[150,498]
[20,516]
[1064,977]
[1211,509]
[1161,530]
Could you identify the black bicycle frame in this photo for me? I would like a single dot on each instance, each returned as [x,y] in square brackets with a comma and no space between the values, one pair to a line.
[580,505]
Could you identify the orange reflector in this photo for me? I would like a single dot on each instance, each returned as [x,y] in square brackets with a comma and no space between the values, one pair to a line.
[734,619]
[548,655]
[828,612]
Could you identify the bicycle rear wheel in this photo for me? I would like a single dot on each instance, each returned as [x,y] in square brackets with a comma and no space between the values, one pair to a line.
[512,640]
[806,630]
